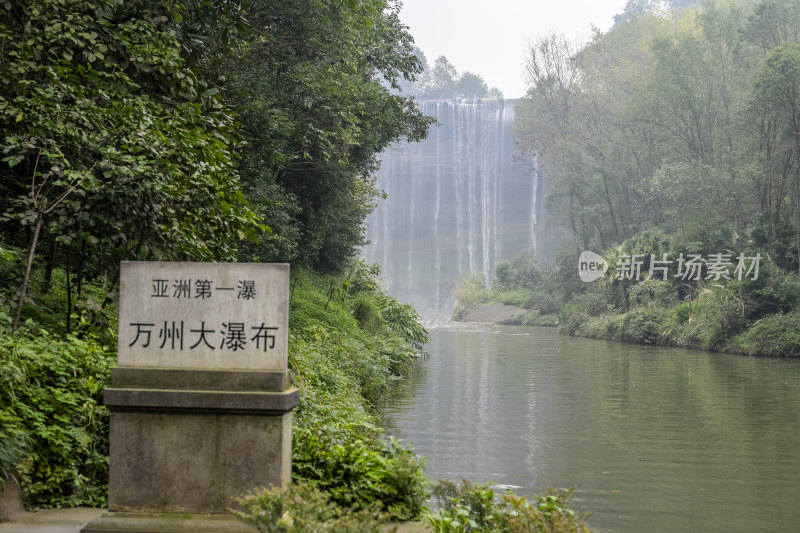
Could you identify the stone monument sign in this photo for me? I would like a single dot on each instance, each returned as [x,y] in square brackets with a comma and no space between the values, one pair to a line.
[200,404]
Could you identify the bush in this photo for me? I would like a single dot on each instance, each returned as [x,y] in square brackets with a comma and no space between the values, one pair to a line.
[366,311]
[468,504]
[601,327]
[50,392]
[343,373]
[356,473]
[777,335]
[473,507]
[773,291]
[652,292]
[718,315]
[13,443]
[301,508]
[642,325]
[403,320]
[570,319]
[470,292]
[550,513]
[592,303]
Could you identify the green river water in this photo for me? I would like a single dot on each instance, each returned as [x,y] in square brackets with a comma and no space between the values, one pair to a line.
[655,439]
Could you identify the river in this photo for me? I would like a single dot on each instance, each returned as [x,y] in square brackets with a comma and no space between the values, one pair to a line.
[655,439]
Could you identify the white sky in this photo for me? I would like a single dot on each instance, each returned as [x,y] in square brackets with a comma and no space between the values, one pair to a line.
[489,37]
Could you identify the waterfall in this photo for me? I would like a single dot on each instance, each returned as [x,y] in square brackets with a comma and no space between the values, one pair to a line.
[458,202]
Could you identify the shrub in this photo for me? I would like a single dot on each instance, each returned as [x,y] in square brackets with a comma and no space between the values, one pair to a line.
[601,327]
[50,391]
[773,292]
[403,320]
[12,446]
[300,508]
[550,513]
[592,303]
[516,297]
[357,473]
[368,314]
[717,315]
[642,325]
[652,292]
[473,507]
[468,505]
[776,335]
[470,292]
[570,319]
[343,373]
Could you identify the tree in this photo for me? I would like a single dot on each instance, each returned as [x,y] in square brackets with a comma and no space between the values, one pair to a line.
[546,124]
[777,91]
[443,81]
[101,91]
[471,86]
[312,83]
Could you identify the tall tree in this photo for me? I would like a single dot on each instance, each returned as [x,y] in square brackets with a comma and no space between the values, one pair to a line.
[99,90]
[777,90]
[312,85]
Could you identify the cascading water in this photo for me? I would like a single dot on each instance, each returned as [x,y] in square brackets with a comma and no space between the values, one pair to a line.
[458,202]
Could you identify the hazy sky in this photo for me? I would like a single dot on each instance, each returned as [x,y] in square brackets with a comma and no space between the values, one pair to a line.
[489,38]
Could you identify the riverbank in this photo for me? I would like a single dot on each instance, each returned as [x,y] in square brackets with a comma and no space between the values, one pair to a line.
[72,520]
[719,308]
[775,335]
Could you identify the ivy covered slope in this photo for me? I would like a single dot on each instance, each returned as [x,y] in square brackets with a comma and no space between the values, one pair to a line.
[348,342]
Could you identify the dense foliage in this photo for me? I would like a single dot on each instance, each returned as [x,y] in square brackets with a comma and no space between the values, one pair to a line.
[680,120]
[112,139]
[461,509]
[344,369]
[749,316]
[470,507]
[205,131]
[54,430]
[50,406]
[673,135]
[197,130]
[311,82]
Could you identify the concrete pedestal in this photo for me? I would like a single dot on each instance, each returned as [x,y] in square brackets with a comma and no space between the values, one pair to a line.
[184,443]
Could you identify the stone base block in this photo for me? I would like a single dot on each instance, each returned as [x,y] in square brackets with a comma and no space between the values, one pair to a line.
[121,522]
[194,462]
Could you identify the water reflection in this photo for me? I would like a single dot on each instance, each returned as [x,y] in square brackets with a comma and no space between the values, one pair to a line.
[656,439]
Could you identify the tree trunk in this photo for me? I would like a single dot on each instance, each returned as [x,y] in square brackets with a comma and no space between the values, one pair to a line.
[69,295]
[48,272]
[79,273]
[27,277]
